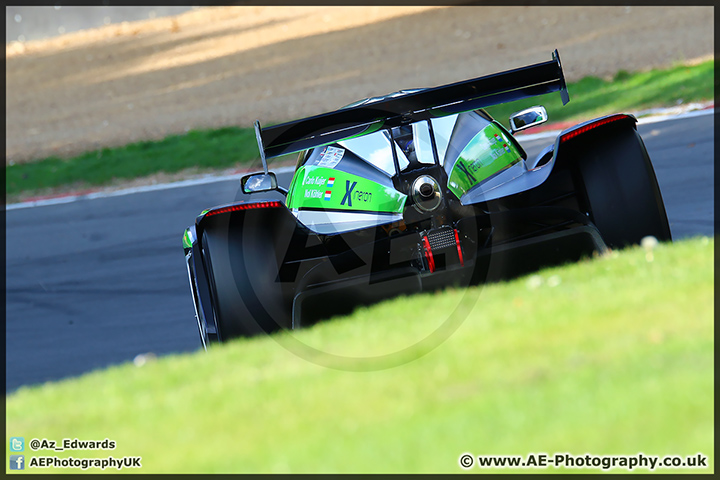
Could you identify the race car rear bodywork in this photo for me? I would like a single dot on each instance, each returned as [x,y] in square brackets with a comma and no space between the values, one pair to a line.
[410,192]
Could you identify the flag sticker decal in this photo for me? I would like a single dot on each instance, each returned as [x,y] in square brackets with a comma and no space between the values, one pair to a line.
[330,183]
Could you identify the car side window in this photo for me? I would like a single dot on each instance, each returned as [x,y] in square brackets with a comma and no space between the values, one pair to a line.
[443,130]
[423,144]
[375,149]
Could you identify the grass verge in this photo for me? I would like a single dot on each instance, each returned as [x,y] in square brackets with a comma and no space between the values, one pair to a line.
[204,150]
[592,96]
[607,356]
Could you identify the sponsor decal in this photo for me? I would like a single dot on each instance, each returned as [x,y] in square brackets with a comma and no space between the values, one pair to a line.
[352,194]
[330,157]
[499,140]
[313,194]
[314,187]
[348,193]
[488,153]
[317,188]
[463,168]
[314,180]
[361,196]
[473,167]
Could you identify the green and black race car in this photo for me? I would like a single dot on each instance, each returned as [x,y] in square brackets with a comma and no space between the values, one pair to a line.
[414,191]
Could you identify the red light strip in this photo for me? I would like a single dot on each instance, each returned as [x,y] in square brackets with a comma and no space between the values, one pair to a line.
[457,242]
[244,206]
[590,126]
[428,254]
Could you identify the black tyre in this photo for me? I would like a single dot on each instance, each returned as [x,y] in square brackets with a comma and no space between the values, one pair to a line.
[621,190]
[246,298]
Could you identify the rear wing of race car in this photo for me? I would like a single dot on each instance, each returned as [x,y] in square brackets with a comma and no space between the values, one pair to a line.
[326,128]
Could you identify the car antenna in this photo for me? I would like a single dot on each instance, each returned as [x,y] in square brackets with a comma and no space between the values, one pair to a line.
[260,146]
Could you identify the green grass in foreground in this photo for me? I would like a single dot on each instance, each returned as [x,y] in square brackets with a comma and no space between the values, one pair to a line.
[215,149]
[612,355]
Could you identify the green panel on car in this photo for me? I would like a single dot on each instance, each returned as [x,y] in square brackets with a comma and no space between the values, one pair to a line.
[489,152]
[322,188]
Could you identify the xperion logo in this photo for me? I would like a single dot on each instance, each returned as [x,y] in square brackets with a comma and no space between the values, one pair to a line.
[348,192]
[358,195]
[463,168]
[330,183]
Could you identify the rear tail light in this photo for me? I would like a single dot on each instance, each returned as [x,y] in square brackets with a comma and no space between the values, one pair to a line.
[598,123]
[244,206]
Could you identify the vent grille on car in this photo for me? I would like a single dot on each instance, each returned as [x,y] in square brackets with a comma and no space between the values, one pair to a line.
[442,238]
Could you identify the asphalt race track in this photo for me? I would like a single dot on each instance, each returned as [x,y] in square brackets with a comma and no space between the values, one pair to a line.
[98,281]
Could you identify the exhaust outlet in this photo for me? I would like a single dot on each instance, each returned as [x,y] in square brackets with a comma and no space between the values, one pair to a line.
[425,193]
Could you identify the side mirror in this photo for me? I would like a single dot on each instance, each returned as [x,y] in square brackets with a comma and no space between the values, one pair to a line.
[259,182]
[528,118]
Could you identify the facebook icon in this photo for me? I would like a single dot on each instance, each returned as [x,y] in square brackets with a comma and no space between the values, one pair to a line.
[17,462]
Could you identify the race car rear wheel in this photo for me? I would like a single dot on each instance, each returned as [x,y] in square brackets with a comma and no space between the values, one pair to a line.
[621,190]
[241,307]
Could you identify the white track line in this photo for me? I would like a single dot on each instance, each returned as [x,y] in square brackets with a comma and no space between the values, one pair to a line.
[222,178]
[129,191]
